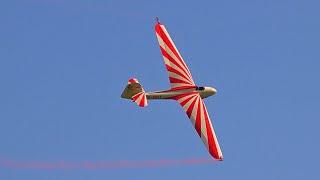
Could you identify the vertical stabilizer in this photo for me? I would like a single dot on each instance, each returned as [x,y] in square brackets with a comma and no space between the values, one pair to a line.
[135,92]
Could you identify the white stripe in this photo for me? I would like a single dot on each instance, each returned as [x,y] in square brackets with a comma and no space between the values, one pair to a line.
[167,34]
[145,101]
[139,98]
[177,76]
[194,111]
[168,50]
[186,106]
[169,37]
[136,95]
[169,63]
[185,97]
[213,133]
[174,85]
[204,136]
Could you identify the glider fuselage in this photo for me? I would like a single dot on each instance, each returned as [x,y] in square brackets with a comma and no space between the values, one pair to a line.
[168,94]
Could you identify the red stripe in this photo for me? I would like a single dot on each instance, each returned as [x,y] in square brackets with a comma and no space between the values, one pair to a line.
[171,69]
[198,120]
[189,110]
[141,104]
[162,34]
[175,80]
[211,142]
[133,80]
[165,54]
[184,102]
[135,97]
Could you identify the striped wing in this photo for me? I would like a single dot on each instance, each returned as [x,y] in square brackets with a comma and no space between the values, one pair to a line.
[198,114]
[179,74]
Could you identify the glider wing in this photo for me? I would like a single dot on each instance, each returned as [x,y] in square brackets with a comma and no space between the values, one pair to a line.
[198,114]
[179,74]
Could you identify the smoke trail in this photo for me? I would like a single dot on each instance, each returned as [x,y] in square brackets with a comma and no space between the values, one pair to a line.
[87,165]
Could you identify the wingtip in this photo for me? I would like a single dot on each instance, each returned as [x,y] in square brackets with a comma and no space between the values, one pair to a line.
[217,157]
[220,158]
[157,20]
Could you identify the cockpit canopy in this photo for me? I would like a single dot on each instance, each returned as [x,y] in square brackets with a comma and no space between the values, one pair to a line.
[200,88]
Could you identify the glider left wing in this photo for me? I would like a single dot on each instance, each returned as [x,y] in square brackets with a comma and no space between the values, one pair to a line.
[179,74]
[198,114]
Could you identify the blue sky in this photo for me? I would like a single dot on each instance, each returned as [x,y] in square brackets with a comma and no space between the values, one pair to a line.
[64,64]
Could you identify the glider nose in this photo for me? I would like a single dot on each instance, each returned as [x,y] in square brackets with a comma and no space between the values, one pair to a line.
[212,90]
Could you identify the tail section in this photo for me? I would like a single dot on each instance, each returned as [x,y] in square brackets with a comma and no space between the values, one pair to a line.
[140,99]
[135,92]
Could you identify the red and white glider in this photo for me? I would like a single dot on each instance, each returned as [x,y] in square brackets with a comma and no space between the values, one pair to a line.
[183,89]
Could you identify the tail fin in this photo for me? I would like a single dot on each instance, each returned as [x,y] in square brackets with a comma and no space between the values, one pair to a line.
[135,92]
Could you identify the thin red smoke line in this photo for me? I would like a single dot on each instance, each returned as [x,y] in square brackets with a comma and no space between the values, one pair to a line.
[4,163]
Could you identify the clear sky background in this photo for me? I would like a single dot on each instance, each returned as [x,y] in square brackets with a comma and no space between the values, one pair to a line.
[64,64]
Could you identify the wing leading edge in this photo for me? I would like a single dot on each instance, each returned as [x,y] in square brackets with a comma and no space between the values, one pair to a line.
[198,114]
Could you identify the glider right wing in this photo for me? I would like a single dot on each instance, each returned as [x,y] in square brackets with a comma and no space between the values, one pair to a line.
[198,114]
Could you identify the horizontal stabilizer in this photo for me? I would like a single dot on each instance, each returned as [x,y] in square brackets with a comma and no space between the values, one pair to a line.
[140,99]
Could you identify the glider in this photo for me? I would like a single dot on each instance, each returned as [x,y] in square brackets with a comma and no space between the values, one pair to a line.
[183,89]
